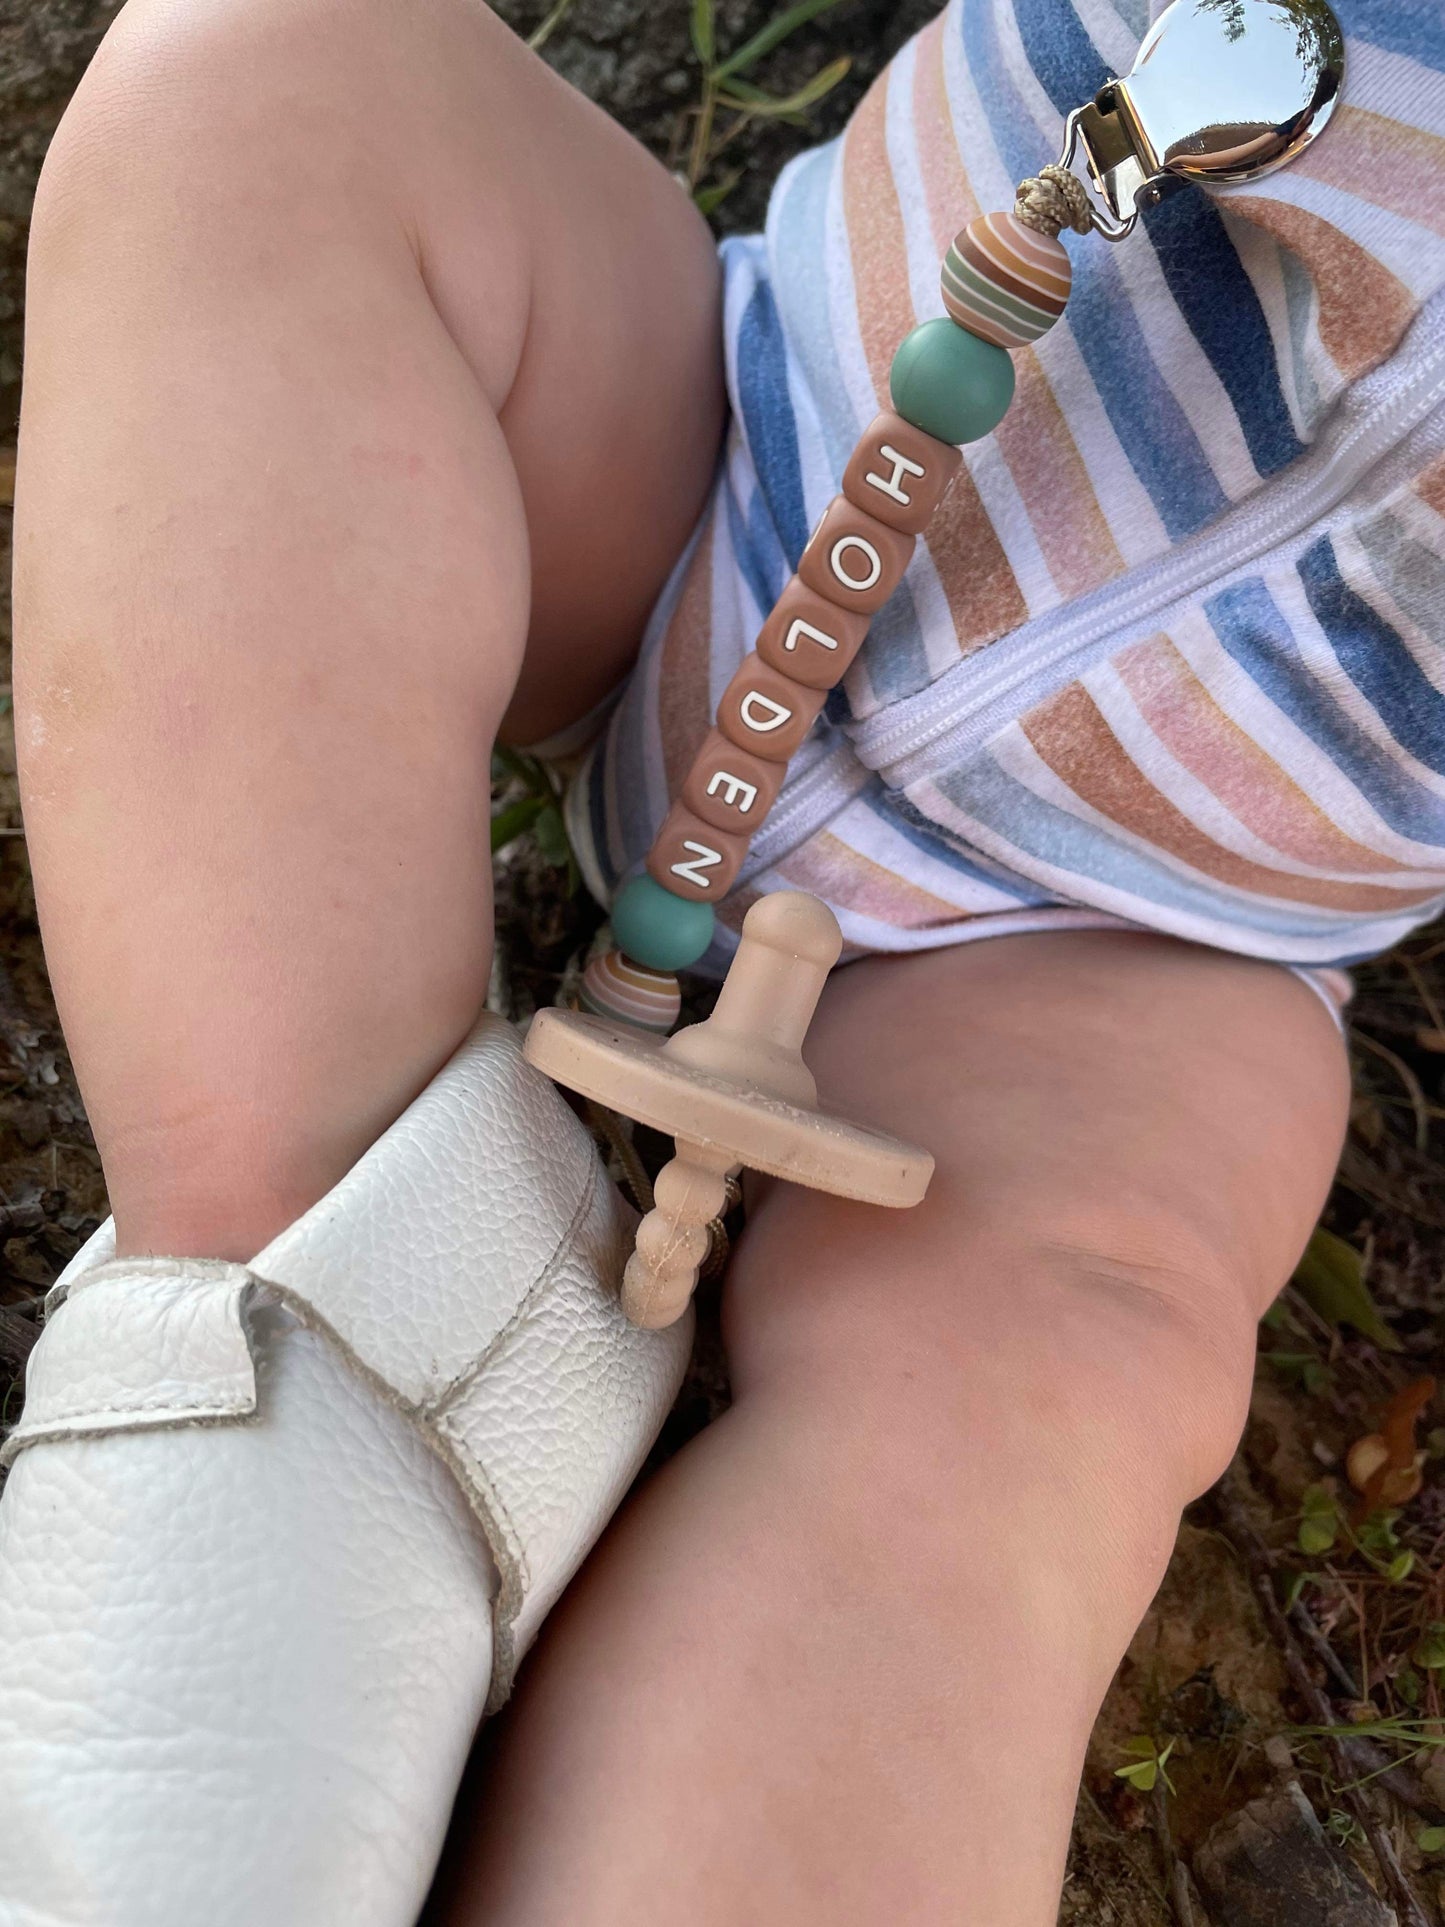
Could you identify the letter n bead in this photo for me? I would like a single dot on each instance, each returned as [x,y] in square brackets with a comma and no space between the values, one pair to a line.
[766,713]
[900,474]
[730,788]
[692,859]
[854,560]
[809,638]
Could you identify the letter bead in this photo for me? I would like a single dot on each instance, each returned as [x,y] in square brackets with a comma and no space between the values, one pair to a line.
[854,560]
[692,859]
[730,788]
[767,713]
[900,474]
[810,639]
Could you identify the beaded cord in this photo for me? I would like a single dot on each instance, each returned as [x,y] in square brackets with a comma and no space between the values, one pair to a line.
[1005,281]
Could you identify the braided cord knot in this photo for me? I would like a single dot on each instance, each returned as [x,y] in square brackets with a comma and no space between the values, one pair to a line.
[1054,198]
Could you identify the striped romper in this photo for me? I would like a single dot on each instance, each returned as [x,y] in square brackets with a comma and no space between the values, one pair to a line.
[1172,654]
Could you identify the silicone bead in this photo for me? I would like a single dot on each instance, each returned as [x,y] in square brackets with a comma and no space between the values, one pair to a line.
[656,928]
[900,474]
[1004,281]
[616,986]
[766,713]
[693,859]
[950,383]
[810,638]
[729,787]
[853,559]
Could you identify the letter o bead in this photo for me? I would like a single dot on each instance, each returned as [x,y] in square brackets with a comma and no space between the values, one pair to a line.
[810,639]
[900,474]
[854,560]
[692,859]
[766,713]
[730,788]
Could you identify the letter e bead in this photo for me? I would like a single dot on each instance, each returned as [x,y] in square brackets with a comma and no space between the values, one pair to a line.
[730,788]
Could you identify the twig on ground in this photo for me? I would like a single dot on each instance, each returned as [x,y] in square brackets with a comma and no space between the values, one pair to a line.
[1418,1101]
[1176,1874]
[1240,1530]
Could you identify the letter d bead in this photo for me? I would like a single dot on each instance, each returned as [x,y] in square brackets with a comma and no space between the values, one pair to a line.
[766,713]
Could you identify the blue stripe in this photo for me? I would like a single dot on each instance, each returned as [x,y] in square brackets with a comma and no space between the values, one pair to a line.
[893,653]
[1068,65]
[754,544]
[1252,630]
[797,251]
[1055,836]
[1153,430]
[940,845]
[1217,299]
[1375,658]
[766,410]
[1412,27]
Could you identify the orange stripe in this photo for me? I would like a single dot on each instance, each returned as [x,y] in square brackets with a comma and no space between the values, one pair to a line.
[841,875]
[1044,284]
[1364,310]
[875,235]
[951,201]
[1050,476]
[682,684]
[1430,486]
[1383,162]
[1073,738]
[1248,781]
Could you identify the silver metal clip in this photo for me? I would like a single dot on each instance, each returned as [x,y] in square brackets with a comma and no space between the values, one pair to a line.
[1220,91]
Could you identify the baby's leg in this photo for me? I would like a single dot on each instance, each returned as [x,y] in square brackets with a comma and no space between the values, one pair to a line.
[840,1660]
[362,352]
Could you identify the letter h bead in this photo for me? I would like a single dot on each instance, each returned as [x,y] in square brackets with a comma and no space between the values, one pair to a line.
[899,474]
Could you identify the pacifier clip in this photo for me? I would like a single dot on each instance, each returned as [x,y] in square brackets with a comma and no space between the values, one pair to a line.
[1221,91]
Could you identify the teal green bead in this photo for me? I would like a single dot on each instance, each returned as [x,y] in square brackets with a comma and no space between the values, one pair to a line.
[950,383]
[655,928]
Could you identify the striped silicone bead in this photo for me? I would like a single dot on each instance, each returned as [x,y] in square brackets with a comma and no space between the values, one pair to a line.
[1005,281]
[614,986]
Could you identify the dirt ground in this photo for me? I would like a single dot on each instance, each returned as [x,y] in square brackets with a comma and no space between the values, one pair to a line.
[1273,1749]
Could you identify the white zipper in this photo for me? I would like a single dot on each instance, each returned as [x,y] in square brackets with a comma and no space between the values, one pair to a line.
[946,722]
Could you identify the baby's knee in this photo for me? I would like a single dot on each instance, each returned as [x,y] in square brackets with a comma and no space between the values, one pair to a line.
[1127,1357]
[218,118]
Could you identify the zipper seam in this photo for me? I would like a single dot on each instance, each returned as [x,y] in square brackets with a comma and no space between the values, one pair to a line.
[888,739]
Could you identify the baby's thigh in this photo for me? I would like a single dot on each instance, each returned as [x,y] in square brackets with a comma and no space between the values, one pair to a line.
[1133,1137]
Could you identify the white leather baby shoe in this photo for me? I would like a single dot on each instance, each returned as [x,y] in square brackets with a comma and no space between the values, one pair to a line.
[277,1534]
